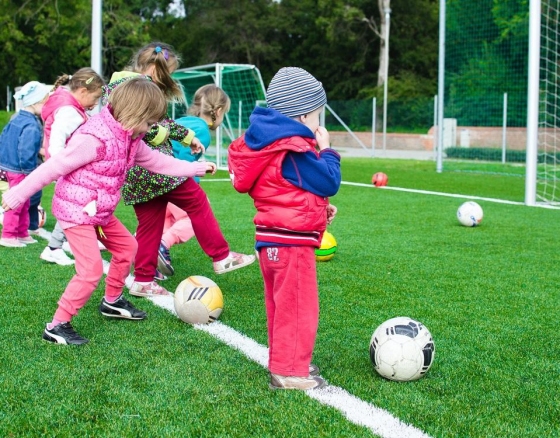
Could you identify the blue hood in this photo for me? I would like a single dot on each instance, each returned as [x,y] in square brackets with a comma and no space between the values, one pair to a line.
[268,125]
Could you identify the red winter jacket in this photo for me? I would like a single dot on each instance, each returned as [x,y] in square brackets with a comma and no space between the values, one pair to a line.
[286,214]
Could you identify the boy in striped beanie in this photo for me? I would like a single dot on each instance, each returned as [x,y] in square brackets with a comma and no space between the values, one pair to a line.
[284,162]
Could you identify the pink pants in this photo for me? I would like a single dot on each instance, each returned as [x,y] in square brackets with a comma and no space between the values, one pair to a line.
[178,226]
[292,307]
[89,267]
[189,197]
[16,221]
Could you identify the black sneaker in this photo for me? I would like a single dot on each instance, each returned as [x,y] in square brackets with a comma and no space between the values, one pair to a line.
[120,309]
[65,334]
[164,260]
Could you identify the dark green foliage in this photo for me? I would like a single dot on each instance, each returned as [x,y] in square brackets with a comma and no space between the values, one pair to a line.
[494,154]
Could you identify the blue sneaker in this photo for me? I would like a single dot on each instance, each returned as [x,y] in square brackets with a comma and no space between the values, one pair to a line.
[164,260]
[159,276]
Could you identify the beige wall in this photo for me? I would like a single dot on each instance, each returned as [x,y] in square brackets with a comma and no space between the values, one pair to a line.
[516,139]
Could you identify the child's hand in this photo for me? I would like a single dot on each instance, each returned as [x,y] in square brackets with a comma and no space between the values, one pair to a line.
[331,213]
[211,167]
[5,206]
[323,138]
[196,146]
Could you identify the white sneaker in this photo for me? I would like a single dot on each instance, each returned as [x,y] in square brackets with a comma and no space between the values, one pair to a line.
[12,243]
[40,232]
[27,240]
[147,289]
[66,247]
[57,256]
[232,262]
[291,382]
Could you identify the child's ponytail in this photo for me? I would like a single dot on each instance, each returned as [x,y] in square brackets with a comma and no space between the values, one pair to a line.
[84,78]
[165,61]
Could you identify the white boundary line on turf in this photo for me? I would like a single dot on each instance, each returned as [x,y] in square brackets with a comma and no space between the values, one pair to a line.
[449,195]
[357,411]
[427,192]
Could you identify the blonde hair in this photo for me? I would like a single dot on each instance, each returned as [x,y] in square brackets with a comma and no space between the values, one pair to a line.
[84,78]
[136,101]
[207,100]
[165,61]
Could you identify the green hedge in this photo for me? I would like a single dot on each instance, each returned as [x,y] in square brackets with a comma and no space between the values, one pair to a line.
[489,154]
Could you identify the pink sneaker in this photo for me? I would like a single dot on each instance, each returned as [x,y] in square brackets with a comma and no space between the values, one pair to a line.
[232,262]
[11,243]
[147,290]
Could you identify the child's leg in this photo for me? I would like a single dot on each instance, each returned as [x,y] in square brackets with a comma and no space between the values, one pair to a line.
[292,307]
[151,217]
[16,221]
[89,270]
[34,202]
[123,247]
[178,226]
[190,197]
[57,237]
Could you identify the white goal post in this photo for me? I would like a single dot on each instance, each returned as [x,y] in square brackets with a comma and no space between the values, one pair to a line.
[244,86]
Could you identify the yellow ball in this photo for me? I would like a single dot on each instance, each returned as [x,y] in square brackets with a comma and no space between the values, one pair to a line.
[198,300]
[327,249]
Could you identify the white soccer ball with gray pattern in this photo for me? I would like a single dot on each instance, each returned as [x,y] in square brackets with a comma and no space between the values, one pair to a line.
[470,214]
[402,349]
[198,300]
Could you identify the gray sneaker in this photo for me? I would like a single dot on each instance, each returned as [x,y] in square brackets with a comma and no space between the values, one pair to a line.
[291,382]
[314,370]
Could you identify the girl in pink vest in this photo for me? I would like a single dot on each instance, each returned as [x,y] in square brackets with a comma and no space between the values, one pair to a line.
[90,172]
[63,113]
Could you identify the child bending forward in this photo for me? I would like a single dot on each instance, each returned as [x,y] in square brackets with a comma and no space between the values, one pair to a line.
[90,172]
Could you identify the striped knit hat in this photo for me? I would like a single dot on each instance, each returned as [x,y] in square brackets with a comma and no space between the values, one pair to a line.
[294,92]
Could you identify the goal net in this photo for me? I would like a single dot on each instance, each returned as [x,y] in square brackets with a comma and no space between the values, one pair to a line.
[548,168]
[244,86]
[485,90]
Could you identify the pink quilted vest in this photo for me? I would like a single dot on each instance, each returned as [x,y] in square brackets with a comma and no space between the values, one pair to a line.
[61,97]
[102,179]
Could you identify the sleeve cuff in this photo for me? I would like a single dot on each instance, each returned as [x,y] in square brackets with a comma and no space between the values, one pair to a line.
[188,139]
[160,136]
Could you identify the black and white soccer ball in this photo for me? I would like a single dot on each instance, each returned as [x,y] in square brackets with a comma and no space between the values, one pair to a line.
[402,349]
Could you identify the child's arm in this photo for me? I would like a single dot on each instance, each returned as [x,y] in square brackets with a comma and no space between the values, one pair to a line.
[28,155]
[66,121]
[319,175]
[81,150]
[163,164]
[169,129]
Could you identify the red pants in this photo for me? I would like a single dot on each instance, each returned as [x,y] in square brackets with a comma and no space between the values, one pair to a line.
[89,267]
[292,307]
[190,197]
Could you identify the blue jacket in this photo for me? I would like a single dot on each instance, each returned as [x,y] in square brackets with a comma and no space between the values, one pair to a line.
[201,131]
[20,143]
